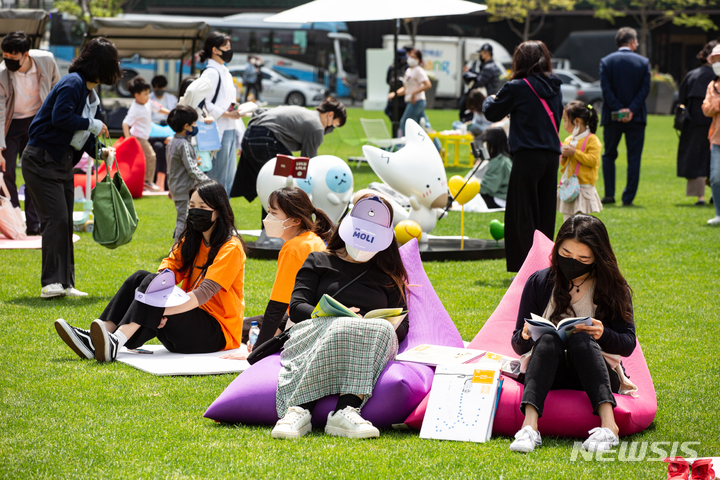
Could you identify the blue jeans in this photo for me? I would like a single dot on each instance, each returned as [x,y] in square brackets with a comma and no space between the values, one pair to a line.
[715,177]
[225,162]
[416,112]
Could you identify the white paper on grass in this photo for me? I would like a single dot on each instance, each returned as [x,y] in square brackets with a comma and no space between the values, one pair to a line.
[462,402]
[162,362]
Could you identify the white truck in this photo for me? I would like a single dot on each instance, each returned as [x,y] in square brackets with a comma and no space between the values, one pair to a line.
[444,58]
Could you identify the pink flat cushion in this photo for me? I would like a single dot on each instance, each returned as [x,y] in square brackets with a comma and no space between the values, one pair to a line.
[131,161]
[631,414]
[250,398]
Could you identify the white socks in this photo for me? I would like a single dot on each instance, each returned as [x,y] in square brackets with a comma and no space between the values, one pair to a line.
[122,339]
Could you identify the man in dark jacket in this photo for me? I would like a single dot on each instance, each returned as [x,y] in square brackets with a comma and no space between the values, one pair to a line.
[483,73]
[625,81]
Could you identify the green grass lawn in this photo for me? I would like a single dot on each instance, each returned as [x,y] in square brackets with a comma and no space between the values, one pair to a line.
[66,418]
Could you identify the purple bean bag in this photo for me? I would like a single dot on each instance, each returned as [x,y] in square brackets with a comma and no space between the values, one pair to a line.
[567,413]
[250,398]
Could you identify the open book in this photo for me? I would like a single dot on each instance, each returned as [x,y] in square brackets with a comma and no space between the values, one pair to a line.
[244,108]
[538,326]
[329,307]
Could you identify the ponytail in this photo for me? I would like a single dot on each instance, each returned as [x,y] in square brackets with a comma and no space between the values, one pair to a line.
[323,227]
[586,113]
[214,40]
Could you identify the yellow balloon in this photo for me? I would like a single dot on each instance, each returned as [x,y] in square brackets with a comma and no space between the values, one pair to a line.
[407,230]
[472,188]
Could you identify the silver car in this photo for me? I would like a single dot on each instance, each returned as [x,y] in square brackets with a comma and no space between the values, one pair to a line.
[579,85]
[279,88]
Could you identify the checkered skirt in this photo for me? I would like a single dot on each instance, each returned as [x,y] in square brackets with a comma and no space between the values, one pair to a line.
[333,355]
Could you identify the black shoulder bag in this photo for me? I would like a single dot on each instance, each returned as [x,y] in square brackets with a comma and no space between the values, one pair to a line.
[276,344]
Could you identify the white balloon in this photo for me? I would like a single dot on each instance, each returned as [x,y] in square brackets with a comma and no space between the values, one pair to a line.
[268,183]
[332,184]
[416,171]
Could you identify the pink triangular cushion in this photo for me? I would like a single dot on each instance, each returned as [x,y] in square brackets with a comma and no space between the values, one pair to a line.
[631,414]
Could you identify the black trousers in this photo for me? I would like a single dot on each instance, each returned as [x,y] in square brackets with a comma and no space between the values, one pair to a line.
[258,146]
[489,201]
[195,331]
[15,142]
[51,186]
[531,202]
[634,140]
[577,365]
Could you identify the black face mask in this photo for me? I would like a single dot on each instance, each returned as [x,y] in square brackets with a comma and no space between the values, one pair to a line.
[12,65]
[328,130]
[226,55]
[200,220]
[159,93]
[572,268]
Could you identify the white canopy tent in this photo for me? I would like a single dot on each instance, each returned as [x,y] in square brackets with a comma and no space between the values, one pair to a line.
[32,22]
[370,10]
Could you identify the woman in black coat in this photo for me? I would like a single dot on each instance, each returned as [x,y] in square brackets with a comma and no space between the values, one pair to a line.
[533,100]
[693,158]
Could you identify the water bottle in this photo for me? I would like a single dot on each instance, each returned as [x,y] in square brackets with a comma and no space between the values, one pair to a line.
[254,332]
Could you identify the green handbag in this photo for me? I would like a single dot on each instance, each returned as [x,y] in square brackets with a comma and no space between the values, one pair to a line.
[115,218]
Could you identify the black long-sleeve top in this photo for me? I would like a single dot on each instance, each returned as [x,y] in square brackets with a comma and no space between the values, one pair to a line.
[323,273]
[618,337]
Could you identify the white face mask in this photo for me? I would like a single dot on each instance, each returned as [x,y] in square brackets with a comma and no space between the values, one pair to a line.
[359,255]
[576,130]
[274,227]
[716,68]
[412,62]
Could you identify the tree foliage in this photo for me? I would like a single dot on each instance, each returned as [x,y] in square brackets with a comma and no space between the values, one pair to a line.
[87,9]
[651,14]
[525,12]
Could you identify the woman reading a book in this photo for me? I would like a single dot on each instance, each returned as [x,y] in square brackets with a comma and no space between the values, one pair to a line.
[208,260]
[289,217]
[328,355]
[583,281]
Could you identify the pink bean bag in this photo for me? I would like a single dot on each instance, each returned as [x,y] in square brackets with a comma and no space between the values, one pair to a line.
[250,398]
[131,161]
[632,414]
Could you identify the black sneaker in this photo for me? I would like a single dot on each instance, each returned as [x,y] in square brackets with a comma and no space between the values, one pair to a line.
[607,200]
[106,344]
[76,338]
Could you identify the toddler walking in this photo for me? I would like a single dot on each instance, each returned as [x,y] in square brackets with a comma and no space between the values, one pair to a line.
[138,122]
[182,161]
[580,156]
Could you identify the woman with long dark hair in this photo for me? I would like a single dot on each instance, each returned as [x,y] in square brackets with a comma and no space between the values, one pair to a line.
[583,281]
[415,83]
[361,269]
[208,260]
[217,51]
[533,100]
[67,124]
[693,155]
[290,217]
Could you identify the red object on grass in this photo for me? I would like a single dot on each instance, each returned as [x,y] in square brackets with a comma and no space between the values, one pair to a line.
[131,161]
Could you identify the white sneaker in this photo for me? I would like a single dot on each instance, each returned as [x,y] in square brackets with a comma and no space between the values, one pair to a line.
[348,423]
[52,290]
[714,222]
[526,440]
[294,424]
[601,440]
[74,292]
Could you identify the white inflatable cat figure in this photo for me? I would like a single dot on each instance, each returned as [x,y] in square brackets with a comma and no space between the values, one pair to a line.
[268,183]
[331,182]
[416,171]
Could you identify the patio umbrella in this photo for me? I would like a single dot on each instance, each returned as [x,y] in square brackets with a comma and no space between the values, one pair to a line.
[369,10]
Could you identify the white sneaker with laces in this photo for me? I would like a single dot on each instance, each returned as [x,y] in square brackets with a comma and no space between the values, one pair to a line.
[714,222]
[601,439]
[348,423]
[74,292]
[52,290]
[526,440]
[294,424]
